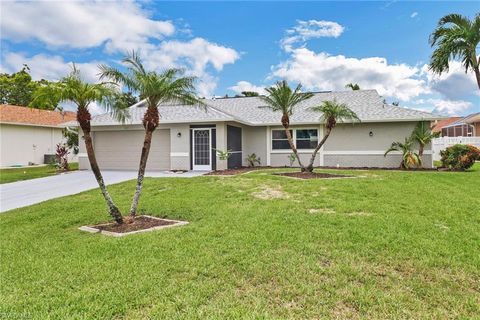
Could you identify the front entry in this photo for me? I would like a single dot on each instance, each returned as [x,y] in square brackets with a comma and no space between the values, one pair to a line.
[202,149]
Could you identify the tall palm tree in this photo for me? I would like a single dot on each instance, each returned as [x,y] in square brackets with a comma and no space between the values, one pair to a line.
[456,37]
[352,86]
[332,112]
[423,135]
[409,157]
[155,88]
[74,90]
[282,98]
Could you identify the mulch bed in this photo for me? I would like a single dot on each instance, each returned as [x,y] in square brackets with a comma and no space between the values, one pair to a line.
[231,172]
[140,223]
[378,168]
[312,175]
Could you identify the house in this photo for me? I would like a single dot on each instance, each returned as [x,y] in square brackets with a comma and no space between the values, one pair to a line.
[188,136]
[468,126]
[27,134]
[440,124]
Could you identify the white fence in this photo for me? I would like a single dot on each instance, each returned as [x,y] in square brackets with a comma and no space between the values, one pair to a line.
[442,143]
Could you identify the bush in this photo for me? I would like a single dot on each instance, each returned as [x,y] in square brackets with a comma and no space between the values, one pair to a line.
[459,156]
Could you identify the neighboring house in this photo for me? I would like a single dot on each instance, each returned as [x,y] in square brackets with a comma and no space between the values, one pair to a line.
[189,135]
[468,126]
[27,134]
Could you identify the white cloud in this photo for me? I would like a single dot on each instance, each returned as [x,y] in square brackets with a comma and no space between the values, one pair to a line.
[247,86]
[311,29]
[414,14]
[47,67]
[453,84]
[321,71]
[441,106]
[120,25]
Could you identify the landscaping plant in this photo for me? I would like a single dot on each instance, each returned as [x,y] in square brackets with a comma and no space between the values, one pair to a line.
[252,159]
[332,112]
[410,159]
[223,154]
[291,158]
[460,157]
[423,135]
[155,88]
[74,89]
[61,156]
[282,98]
[456,37]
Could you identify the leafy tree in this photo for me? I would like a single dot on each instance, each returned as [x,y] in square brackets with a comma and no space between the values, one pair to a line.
[423,135]
[73,89]
[250,93]
[155,88]
[19,88]
[456,37]
[410,159]
[332,112]
[281,98]
[71,135]
[352,86]
[128,98]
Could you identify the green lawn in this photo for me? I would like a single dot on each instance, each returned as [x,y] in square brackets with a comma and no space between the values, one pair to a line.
[386,244]
[27,173]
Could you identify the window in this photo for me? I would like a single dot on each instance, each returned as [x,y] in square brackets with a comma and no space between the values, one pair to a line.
[302,138]
[306,139]
[279,139]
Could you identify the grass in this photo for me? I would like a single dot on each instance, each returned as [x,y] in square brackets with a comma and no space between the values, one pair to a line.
[387,244]
[27,173]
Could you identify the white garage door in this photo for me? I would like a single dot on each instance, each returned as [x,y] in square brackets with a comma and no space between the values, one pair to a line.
[120,150]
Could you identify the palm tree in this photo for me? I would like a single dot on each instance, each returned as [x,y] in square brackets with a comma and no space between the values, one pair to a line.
[155,88]
[352,86]
[74,90]
[282,98]
[409,158]
[456,37]
[423,135]
[332,112]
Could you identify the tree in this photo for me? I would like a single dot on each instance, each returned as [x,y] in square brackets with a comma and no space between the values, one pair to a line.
[352,86]
[250,93]
[409,158]
[128,98]
[155,88]
[332,112]
[19,88]
[423,135]
[73,89]
[281,98]
[456,37]
[71,135]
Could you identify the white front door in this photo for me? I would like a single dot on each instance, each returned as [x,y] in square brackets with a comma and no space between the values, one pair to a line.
[202,151]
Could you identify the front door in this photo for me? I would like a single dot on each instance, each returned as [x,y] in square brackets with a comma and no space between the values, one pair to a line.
[202,151]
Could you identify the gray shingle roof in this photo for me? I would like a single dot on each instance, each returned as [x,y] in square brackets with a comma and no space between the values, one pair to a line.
[367,104]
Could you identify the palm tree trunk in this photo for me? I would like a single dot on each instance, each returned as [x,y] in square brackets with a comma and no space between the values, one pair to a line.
[477,75]
[309,168]
[112,208]
[141,169]
[286,125]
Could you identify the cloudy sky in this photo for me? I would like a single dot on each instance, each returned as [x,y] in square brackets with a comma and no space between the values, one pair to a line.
[232,46]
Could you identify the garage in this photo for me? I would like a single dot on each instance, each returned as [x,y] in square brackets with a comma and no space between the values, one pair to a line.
[120,150]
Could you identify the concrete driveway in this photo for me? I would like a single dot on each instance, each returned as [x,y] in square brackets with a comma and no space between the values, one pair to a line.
[24,193]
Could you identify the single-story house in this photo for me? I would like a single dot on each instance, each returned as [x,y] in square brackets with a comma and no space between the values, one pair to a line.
[27,134]
[468,126]
[188,136]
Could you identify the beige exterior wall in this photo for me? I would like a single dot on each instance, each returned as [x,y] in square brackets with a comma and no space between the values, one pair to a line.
[21,144]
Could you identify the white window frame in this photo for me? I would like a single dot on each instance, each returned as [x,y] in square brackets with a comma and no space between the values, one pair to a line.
[294,136]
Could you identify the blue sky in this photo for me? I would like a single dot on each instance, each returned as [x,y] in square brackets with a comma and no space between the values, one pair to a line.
[235,46]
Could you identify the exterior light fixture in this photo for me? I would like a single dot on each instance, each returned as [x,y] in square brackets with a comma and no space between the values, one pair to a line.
[370,133]
[179,135]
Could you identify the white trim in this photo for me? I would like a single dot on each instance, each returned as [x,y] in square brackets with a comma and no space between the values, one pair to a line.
[269,145]
[202,167]
[179,154]
[365,152]
[82,155]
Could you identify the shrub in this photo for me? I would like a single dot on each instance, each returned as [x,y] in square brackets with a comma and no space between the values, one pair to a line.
[252,159]
[459,156]
[61,156]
